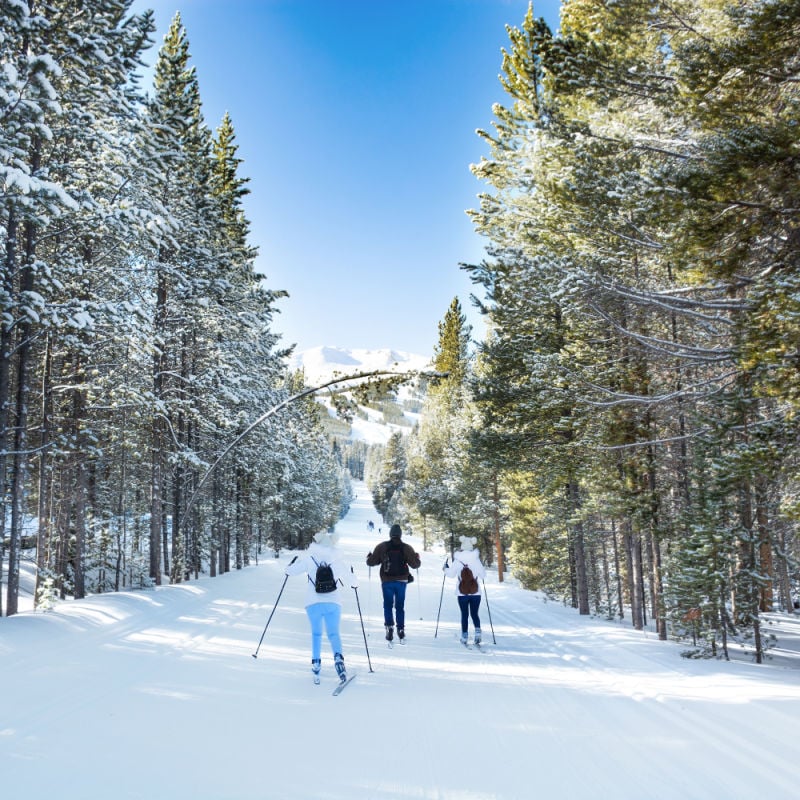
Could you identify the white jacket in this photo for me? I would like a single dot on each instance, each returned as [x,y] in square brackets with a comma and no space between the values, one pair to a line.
[307,563]
[466,558]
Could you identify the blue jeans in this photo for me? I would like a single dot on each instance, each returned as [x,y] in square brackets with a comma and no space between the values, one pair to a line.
[394,596]
[329,614]
[468,603]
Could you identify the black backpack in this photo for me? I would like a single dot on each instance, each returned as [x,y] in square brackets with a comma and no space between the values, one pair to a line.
[324,581]
[394,562]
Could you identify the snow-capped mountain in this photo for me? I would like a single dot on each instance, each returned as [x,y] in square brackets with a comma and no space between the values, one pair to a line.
[322,363]
[370,424]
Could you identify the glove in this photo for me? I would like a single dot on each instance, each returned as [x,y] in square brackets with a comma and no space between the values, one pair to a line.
[445,565]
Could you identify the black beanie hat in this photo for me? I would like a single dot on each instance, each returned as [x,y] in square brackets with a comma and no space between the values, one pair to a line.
[395,532]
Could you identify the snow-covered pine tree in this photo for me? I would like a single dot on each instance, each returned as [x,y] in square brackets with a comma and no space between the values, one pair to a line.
[627,202]
[445,490]
[388,484]
[245,359]
[179,152]
[68,74]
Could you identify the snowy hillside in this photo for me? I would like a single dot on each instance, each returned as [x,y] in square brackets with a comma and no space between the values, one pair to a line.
[321,364]
[155,694]
[374,430]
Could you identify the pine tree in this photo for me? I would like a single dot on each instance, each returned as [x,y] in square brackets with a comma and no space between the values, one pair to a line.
[442,490]
[451,353]
[628,238]
[389,482]
[68,128]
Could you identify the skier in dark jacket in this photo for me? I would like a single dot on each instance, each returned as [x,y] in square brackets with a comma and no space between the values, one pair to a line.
[394,557]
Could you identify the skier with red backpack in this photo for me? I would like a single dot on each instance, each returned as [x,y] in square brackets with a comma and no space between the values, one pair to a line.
[469,570]
[395,557]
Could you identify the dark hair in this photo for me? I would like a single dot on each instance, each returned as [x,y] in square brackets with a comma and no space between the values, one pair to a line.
[395,532]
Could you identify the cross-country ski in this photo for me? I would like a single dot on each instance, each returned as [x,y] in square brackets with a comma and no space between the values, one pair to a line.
[343,684]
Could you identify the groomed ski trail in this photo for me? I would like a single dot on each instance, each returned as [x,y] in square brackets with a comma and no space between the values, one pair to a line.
[163,680]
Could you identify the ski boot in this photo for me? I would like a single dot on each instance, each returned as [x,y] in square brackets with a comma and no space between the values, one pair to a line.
[463,637]
[389,633]
[338,660]
[477,635]
[315,667]
[401,633]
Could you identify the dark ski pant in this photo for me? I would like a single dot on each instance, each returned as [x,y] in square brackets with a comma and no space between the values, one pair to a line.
[394,597]
[469,603]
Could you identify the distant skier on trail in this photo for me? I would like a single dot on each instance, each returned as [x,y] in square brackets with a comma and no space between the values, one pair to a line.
[325,571]
[394,557]
[468,584]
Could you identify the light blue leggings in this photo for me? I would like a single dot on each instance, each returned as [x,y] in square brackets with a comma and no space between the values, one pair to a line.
[330,614]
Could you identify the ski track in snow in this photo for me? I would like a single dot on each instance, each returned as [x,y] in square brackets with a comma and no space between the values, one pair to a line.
[155,694]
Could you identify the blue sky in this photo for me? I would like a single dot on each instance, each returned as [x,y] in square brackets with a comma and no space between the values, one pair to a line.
[356,120]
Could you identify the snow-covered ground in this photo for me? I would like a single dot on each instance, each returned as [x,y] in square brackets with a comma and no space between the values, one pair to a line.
[372,430]
[156,694]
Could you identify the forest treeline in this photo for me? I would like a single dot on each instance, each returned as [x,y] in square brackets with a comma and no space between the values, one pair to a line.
[136,340]
[626,435]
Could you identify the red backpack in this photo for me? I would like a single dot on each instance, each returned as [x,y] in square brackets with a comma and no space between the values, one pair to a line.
[467,583]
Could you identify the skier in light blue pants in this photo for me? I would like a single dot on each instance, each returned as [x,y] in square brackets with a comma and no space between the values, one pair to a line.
[327,615]
[324,607]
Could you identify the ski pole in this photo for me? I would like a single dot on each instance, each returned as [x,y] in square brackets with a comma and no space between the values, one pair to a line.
[488,610]
[369,597]
[286,578]
[366,646]
[419,594]
[436,632]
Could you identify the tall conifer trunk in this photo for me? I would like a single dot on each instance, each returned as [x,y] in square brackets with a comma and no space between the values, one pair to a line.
[497,542]
[43,532]
[632,572]
[765,560]
[157,430]
[581,579]
[6,348]
[20,458]
[81,488]
[617,570]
